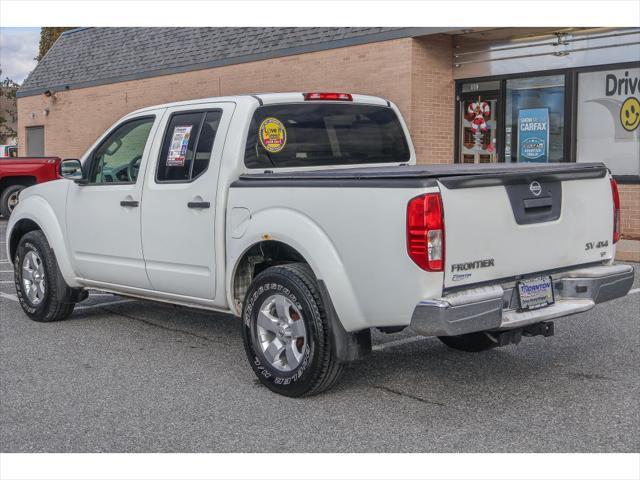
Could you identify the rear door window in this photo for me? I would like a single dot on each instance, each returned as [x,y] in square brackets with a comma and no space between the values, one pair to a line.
[187,145]
[315,134]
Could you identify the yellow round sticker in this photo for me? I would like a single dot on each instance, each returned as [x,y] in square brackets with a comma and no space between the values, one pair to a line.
[273,135]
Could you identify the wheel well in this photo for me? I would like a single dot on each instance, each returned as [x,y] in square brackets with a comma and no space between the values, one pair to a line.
[24,180]
[257,259]
[19,230]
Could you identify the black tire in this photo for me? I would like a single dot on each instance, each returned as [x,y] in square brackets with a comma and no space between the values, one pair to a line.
[56,301]
[470,342]
[319,369]
[5,205]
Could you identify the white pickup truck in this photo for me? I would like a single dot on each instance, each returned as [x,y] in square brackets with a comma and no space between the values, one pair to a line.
[305,215]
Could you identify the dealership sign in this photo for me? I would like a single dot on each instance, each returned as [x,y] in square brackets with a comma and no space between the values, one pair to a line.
[608,128]
[533,135]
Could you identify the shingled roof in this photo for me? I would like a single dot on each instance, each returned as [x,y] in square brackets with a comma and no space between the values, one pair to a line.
[94,56]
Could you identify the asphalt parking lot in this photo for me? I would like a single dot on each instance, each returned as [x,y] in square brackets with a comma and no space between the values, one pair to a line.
[132,376]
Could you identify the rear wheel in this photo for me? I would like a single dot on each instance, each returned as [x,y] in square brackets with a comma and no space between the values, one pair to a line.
[9,199]
[41,290]
[470,342]
[286,332]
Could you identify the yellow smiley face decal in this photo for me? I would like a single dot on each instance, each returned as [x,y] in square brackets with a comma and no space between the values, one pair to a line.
[630,114]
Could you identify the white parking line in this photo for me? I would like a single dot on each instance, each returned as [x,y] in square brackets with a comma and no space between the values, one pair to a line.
[104,304]
[9,296]
[635,290]
[6,271]
[6,281]
[14,298]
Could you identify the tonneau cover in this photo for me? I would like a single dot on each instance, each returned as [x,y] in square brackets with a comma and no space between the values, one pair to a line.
[452,176]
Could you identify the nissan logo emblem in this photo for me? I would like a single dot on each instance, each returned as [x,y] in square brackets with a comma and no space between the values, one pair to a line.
[535,188]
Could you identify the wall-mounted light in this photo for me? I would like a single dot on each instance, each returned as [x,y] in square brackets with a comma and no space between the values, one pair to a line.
[45,112]
[50,94]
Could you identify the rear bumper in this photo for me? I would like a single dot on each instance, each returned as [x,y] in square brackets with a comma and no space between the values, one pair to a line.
[495,307]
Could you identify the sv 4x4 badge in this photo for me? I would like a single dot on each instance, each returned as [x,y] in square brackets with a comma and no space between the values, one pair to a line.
[600,244]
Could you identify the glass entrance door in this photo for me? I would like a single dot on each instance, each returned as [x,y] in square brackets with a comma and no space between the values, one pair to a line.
[478,114]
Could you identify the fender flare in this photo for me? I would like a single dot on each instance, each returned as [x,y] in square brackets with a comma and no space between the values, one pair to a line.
[300,232]
[36,209]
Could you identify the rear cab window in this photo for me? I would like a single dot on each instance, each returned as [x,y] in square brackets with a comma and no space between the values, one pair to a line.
[324,134]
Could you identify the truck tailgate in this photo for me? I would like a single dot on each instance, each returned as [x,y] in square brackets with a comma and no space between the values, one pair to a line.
[504,222]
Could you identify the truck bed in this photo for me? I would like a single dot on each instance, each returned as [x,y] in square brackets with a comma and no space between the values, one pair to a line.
[501,220]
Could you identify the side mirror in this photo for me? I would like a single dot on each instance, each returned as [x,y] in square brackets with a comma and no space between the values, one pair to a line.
[71,168]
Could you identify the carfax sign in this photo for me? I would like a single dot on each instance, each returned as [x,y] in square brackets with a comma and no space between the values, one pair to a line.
[533,135]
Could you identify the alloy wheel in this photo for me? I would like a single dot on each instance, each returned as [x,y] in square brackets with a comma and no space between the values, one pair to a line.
[33,277]
[281,333]
[12,201]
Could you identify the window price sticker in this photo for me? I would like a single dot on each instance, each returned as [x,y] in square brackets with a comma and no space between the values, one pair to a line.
[178,146]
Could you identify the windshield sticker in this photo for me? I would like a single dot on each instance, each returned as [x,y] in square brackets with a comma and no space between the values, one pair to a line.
[178,147]
[273,135]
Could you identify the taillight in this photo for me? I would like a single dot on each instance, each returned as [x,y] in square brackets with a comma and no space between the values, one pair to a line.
[425,232]
[616,210]
[345,97]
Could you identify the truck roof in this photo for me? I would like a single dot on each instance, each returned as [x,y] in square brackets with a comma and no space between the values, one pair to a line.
[263,99]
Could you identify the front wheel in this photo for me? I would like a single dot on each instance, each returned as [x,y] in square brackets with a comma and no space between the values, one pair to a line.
[41,290]
[286,332]
[9,199]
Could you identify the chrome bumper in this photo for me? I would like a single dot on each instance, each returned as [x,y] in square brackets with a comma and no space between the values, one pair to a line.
[495,307]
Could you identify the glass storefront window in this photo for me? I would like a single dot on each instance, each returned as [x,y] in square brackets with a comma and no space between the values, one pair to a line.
[608,124]
[534,119]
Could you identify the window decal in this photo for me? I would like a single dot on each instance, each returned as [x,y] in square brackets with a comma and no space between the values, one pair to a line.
[178,147]
[273,135]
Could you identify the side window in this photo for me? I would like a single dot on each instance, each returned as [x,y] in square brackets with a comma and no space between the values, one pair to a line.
[188,142]
[117,159]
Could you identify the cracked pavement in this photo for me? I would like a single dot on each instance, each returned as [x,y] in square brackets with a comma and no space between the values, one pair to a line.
[139,376]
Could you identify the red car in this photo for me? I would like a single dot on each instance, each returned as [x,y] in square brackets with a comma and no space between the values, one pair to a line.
[18,173]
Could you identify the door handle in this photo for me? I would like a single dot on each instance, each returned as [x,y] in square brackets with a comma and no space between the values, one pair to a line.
[198,204]
[129,203]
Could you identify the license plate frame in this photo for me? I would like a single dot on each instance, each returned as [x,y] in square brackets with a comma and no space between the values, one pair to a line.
[535,293]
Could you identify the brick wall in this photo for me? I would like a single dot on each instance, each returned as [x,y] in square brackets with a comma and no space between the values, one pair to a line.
[415,74]
[431,111]
[77,117]
[630,211]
